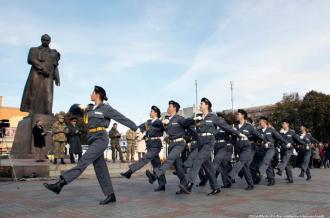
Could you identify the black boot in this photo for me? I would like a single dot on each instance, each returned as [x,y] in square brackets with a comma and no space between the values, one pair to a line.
[186,189]
[302,174]
[289,181]
[250,187]
[240,174]
[127,174]
[160,188]
[258,179]
[152,177]
[72,160]
[62,161]
[271,182]
[179,192]
[214,192]
[202,182]
[308,177]
[279,172]
[109,199]
[55,161]
[56,187]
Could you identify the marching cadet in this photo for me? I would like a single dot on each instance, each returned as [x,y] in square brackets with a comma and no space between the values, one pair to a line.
[308,139]
[270,135]
[223,150]
[206,130]
[193,147]
[243,148]
[176,132]
[291,136]
[98,119]
[59,130]
[154,131]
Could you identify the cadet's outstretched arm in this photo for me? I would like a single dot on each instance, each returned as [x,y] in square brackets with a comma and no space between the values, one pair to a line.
[279,137]
[225,126]
[112,113]
[297,139]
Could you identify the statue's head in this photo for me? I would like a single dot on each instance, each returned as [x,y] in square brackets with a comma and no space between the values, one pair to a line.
[45,40]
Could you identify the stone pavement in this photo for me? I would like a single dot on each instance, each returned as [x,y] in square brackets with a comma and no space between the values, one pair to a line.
[136,198]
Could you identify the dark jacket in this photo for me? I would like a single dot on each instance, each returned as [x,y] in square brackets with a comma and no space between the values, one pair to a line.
[74,140]
[38,138]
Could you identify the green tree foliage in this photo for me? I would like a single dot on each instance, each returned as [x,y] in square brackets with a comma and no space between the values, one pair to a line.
[287,108]
[313,110]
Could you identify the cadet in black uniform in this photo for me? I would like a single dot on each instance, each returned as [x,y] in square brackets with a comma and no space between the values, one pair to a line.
[291,136]
[154,131]
[270,135]
[223,149]
[206,130]
[99,117]
[176,132]
[307,153]
[243,148]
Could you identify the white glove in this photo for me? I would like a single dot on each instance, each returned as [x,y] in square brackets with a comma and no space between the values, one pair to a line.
[282,131]
[198,118]
[288,145]
[138,131]
[266,145]
[307,147]
[295,152]
[83,106]
[243,136]
[166,121]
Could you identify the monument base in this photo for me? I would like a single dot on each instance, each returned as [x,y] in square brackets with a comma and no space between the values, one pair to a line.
[23,142]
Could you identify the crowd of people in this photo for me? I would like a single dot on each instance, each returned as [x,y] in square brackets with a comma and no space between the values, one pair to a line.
[199,146]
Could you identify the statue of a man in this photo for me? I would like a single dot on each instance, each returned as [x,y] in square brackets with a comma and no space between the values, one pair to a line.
[38,92]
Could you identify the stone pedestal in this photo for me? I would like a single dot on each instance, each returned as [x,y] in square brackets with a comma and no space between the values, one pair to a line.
[23,142]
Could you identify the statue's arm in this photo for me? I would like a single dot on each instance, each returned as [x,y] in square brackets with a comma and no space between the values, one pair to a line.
[32,59]
[57,77]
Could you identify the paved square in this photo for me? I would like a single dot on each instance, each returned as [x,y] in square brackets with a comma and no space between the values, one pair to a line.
[136,198]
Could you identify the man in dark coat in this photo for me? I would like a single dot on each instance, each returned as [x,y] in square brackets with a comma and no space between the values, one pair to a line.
[74,140]
[39,139]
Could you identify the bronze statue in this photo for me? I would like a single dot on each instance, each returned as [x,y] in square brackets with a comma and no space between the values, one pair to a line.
[38,92]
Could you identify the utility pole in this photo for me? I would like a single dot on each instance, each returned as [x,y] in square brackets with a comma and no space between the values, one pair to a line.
[232,95]
[196,94]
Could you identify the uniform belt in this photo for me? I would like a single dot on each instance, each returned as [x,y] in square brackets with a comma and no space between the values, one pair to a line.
[154,138]
[97,129]
[242,139]
[205,134]
[219,141]
[193,142]
[177,140]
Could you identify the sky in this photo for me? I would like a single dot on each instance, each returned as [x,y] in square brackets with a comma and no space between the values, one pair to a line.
[146,53]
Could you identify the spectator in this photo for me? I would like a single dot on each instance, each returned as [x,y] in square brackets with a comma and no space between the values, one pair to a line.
[115,145]
[316,156]
[39,139]
[326,156]
[74,140]
[59,130]
[131,141]
[140,146]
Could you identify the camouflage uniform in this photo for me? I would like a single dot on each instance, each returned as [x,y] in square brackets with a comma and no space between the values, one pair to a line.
[114,135]
[131,141]
[59,138]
